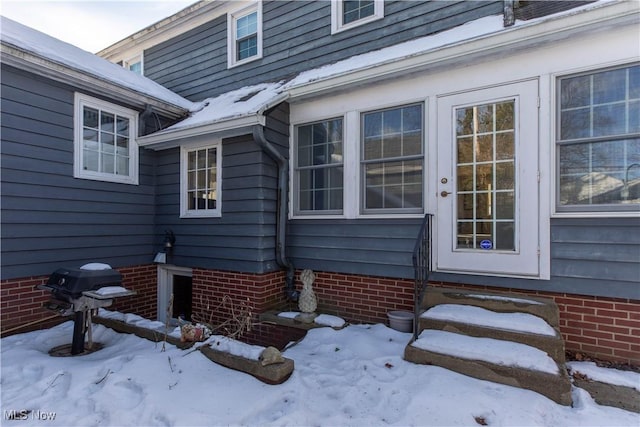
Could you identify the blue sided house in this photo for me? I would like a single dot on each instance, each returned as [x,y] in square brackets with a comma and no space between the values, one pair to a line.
[385,145]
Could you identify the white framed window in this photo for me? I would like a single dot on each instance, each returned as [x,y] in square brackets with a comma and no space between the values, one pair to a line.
[244,35]
[391,161]
[347,14]
[319,167]
[598,140]
[135,64]
[105,147]
[201,180]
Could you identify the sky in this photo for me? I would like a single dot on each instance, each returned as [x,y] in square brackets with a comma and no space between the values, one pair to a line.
[88,24]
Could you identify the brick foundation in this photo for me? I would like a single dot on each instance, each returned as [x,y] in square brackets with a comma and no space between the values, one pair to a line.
[21,303]
[144,280]
[607,328]
[258,292]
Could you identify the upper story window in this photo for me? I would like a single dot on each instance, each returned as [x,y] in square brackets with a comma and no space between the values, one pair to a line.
[134,64]
[201,180]
[598,140]
[319,167]
[104,143]
[346,14]
[392,159]
[244,38]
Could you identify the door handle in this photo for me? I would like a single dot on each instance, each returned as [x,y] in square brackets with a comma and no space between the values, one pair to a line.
[445,193]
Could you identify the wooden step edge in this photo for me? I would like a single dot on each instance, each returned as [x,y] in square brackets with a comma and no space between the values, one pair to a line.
[552,345]
[555,387]
[545,308]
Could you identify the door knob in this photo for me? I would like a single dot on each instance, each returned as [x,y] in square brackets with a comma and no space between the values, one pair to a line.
[445,193]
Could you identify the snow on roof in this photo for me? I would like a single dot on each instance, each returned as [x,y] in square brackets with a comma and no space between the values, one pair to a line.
[232,104]
[42,45]
[246,101]
[472,29]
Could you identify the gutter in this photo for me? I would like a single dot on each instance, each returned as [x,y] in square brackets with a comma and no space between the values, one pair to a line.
[281,218]
[38,65]
[530,34]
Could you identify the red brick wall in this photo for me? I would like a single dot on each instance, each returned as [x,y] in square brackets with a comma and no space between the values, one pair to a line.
[606,328]
[365,299]
[256,292]
[144,280]
[21,302]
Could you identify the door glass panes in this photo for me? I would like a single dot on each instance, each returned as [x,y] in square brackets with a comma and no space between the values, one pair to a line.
[392,159]
[319,166]
[105,142]
[202,177]
[598,139]
[485,177]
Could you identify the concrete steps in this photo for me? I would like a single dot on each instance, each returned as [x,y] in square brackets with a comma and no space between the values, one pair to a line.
[510,340]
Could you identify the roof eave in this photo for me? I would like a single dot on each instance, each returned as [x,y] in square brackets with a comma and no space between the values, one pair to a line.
[171,138]
[224,128]
[30,62]
[523,36]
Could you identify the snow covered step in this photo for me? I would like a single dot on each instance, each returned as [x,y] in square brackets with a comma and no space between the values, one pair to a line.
[476,321]
[504,362]
[540,307]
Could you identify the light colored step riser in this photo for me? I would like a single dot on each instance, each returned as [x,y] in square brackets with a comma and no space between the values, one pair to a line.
[555,387]
[547,309]
[553,346]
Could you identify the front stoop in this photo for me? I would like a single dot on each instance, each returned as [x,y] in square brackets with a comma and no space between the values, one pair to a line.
[555,387]
[529,324]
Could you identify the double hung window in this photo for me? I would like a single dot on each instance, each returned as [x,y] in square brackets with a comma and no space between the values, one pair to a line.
[201,180]
[245,35]
[351,13]
[319,167]
[598,140]
[391,160]
[374,168]
[105,146]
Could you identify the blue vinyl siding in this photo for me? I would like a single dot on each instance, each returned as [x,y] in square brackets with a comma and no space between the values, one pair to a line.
[243,239]
[296,37]
[588,256]
[50,219]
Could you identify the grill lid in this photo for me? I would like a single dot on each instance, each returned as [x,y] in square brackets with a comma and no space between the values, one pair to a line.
[71,282]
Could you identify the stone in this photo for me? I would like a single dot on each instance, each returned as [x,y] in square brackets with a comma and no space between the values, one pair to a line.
[307,302]
[270,356]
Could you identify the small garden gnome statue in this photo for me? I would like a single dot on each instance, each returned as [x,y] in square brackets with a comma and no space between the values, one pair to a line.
[307,301]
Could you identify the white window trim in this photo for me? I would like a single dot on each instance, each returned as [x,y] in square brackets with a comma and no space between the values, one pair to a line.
[555,209]
[352,191]
[133,59]
[232,18]
[80,101]
[185,212]
[297,212]
[337,12]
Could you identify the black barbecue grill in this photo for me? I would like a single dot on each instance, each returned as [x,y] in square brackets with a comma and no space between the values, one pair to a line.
[77,291]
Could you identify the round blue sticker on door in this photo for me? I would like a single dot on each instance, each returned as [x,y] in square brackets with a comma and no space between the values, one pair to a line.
[486,244]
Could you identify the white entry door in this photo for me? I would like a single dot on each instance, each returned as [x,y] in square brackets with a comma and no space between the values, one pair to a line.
[487,182]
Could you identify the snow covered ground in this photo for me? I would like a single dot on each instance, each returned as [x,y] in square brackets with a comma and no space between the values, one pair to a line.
[355,376]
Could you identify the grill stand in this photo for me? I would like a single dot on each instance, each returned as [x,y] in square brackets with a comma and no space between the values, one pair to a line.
[82,308]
